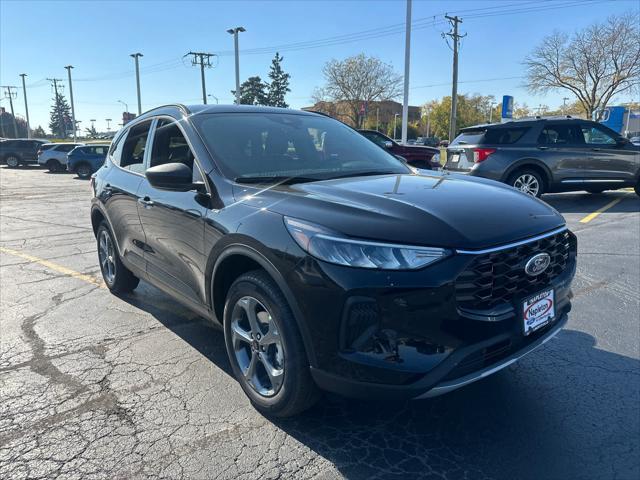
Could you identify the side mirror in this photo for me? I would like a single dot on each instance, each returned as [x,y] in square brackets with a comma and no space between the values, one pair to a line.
[388,144]
[176,177]
[401,158]
[620,141]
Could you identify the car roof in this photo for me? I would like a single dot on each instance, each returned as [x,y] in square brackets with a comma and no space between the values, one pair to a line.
[204,109]
[523,122]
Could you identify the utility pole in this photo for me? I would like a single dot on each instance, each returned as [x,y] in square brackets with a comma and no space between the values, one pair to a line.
[73,110]
[454,88]
[204,60]
[26,106]
[11,91]
[135,57]
[491,111]
[395,119]
[234,32]
[55,89]
[377,119]
[407,61]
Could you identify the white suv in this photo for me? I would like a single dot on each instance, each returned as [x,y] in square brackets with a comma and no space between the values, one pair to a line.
[54,155]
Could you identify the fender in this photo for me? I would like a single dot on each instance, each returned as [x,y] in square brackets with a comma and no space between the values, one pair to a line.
[265,263]
[528,161]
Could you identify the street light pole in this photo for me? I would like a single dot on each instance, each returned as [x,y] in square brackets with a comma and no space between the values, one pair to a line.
[135,57]
[491,111]
[126,107]
[26,107]
[73,110]
[234,32]
[407,61]
[108,120]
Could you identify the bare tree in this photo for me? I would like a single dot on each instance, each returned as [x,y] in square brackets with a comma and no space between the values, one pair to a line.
[594,64]
[357,80]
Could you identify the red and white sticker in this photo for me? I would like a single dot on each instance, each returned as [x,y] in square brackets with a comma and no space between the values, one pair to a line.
[538,311]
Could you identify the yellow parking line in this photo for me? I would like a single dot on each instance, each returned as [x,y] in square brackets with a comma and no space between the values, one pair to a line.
[593,215]
[54,266]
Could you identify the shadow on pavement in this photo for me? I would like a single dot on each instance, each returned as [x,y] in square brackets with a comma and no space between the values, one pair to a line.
[568,410]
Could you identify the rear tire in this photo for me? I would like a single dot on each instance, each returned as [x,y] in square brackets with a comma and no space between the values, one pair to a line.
[527,181]
[13,161]
[83,170]
[116,276]
[53,166]
[595,191]
[261,333]
[637,188]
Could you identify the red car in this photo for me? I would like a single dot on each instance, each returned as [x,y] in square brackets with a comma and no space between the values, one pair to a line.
[416,155]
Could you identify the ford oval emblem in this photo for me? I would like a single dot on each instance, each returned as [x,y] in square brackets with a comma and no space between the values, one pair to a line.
[537,264]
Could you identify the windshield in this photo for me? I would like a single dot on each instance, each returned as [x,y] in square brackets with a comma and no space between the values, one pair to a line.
[274,146]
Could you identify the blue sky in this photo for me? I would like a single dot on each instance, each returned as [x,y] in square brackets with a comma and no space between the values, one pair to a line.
[40,38]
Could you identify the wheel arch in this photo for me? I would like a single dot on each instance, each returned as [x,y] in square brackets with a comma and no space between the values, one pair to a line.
[533,164]
[232,262]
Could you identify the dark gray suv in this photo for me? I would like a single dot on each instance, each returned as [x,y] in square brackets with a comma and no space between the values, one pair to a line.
[545,155]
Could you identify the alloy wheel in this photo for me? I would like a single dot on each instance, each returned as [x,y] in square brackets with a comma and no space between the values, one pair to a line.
[12,161]
[257,346]
[106,255]
[527,183]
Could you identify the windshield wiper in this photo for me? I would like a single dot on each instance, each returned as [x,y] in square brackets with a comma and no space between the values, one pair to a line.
[280,179]
[366,174]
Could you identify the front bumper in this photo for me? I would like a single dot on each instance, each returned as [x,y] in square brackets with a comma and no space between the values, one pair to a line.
[438,381]
[405,334]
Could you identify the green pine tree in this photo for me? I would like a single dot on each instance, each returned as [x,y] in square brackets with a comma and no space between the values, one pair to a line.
[279,85]
[39,132]
[91,132]
[60,123]
[253,92]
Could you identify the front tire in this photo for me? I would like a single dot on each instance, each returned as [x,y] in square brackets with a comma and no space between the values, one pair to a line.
[265,347]
[527,181]
[637,188]
[117,277]
[13,161]
[83,170]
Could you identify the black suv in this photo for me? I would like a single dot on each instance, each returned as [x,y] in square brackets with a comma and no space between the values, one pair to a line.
[19,151]
[327,261]
[545,155]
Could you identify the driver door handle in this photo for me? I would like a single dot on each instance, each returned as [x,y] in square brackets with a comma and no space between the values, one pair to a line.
[146,202]
[595,149]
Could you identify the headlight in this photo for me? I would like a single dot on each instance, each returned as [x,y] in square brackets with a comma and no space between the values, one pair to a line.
[333,248]
[436,158]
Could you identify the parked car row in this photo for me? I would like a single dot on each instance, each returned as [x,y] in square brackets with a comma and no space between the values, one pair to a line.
[82,159]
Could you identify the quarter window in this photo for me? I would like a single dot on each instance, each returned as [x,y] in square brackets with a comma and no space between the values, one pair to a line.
[133,148]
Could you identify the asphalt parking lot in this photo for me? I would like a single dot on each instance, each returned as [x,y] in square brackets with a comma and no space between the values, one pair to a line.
[96,386]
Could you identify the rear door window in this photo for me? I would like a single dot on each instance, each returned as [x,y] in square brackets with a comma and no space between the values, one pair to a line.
[560,134]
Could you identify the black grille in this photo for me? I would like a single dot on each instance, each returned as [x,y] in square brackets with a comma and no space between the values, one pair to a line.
[493,279]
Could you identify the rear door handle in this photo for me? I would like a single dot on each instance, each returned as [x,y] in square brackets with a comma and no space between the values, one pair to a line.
[146,201]
[595,149]
[542,148]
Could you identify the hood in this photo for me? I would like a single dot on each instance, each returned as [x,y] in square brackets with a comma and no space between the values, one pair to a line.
[440,210]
